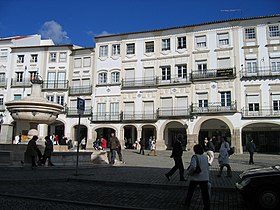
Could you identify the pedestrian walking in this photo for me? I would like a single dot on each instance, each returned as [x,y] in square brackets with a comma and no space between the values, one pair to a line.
[223,158]
[103,143]
[153,147]
[119,151]
[83,144]
[177,153]
[142,146]
[251,147]
[198,177]
[48,151]
[113,145]
[209,149]
[33,151]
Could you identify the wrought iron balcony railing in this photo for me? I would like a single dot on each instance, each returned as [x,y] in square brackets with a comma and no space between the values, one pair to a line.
[139,116]
[73,112]
[174,113]
[213,73]
[216,107]
[80,90]
[268,112]
[20,83]
[155,81]
[106,117]
[259,72]
[55,84]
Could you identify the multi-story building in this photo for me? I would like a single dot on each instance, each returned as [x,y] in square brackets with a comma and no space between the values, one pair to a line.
[213,79]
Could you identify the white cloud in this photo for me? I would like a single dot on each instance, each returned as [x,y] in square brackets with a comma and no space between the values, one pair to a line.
[104,33]
[53,30]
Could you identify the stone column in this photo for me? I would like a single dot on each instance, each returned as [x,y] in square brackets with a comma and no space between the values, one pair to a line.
[236,140]
[6,134]
[160,142]
[192,140]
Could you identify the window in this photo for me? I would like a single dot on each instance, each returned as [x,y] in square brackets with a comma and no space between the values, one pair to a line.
[115,77]
[149,47]
[116,49]
[167,106]
[32,75]
[182,71]
[251,66]
[224,63]
[165,44]
[34,58]
[102,78]
[20,59]
[181,42]
[200,41]
[2,77]
[60,100]
[148,109]
[86,62]
[50,98]
[202,103]
[1,100]
[62,57]
[250,33]
[225,98]
[130,49]
[101,109]
[77,62]
[3,54]
[254,107]
[202,66]
[17,97]
[202,100]
[19,76]
[165,72]
[276,105]
[103,51]
[52,57]
[114,108]
[275,65]
[223,39]
[274,31]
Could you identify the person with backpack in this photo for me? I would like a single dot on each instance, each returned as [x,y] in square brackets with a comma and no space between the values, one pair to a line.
[223,158]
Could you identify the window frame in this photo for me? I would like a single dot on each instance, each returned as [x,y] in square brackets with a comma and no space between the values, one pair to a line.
[149,47]
[103,51]
[201,44]
[53,57]
[116,49]
[115,77]
[130,49]
[250,33]
[276,33]
[165,44]
[165,73]
[181,44]
[102,78]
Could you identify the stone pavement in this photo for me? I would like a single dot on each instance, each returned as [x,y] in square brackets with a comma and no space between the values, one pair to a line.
[138,184]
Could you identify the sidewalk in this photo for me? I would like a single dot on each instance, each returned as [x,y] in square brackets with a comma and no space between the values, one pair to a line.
[138,184]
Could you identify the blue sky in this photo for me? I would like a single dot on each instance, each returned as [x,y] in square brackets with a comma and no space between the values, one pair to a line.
[78,21]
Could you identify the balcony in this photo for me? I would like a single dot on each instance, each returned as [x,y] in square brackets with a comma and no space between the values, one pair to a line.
[259,73]
[3,83]
[265,112]
[73,112]
[80,90]
[174,113]
[139,116]
[226,73]
[106,117]
[55,85]
[216,107]
[154,81]
[20,83]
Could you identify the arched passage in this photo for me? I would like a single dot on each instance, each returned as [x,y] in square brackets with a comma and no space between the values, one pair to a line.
[83,132]
[171,130]
[215,129]
[265,135]
[104,132]
[130,135]
[148,131]
[57,128]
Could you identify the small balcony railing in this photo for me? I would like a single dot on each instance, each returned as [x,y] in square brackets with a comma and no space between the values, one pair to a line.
[106,117]
[216,107]
[80,90]
[55,84]
[260,72]
[155,81]
[73,112]
[21,83]
[213,73]
[174,113]
[265,112]
[139,116]
[3,83]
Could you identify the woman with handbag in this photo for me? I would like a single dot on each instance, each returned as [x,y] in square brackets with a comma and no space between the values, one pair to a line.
[198,172]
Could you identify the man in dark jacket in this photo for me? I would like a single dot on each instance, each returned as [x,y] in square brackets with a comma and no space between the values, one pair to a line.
[114,144]
[33,151]
[177,153]
[251,147]
[142,146]
[48,151]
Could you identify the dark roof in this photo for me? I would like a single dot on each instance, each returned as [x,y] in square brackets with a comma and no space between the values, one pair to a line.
[194,25]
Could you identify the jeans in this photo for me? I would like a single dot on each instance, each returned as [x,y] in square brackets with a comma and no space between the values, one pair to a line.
[113,156]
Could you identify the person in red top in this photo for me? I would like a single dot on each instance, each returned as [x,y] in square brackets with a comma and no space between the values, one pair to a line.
[56,140]
[103,143]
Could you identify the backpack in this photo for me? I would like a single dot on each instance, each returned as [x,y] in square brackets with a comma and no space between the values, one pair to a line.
[231,151]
